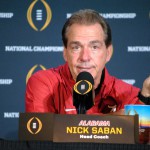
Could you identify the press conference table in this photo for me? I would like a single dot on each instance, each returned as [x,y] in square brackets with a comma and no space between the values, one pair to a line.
[45,145]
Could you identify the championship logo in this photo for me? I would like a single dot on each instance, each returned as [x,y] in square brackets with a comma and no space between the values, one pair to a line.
[83,87]
[34,125]
[32,70]
[37,10]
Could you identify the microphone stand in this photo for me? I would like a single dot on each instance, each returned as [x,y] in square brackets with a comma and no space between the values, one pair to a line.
[82,109]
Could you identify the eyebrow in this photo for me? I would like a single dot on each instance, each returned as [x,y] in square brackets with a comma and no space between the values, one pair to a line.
[91,42]
[74,42]
[96,42]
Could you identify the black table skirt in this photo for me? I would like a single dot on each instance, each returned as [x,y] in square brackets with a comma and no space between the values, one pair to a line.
[46,145]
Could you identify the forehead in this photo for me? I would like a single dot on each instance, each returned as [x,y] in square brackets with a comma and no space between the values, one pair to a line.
[81,32]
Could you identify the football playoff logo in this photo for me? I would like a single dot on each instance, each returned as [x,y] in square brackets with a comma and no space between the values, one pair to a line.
[82,87]
[34,125]
[32,70]
[39,13]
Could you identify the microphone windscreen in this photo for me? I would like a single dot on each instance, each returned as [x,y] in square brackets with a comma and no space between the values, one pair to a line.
[85,76]
[83,94]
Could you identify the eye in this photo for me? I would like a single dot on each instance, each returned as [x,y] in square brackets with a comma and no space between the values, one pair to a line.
[75,47]
[95,47]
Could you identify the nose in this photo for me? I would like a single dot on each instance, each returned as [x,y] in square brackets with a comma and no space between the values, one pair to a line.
[85,55]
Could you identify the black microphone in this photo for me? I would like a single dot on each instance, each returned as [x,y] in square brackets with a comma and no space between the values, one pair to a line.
[83,93]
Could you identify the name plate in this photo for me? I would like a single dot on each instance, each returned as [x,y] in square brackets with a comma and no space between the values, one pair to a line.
[79,128]
[98,129]
[36,126]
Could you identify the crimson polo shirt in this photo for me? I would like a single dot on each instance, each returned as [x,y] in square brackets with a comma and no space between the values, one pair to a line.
[51,91]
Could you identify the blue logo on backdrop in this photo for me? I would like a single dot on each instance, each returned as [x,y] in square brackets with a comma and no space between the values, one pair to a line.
[39,13]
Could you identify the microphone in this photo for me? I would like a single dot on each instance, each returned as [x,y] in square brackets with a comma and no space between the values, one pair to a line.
[83,93]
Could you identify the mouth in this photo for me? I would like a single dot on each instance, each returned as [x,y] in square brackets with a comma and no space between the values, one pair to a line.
[81,69]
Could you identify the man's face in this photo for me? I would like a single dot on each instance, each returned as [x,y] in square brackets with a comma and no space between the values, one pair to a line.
[86,50]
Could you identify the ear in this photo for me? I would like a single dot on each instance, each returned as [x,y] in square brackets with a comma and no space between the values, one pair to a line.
[109,52]
[65,54]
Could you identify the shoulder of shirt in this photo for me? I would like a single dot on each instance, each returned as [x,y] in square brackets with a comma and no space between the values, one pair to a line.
[48,74]
[112,82]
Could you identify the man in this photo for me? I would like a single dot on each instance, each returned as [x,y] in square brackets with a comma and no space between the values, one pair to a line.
[87,47]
